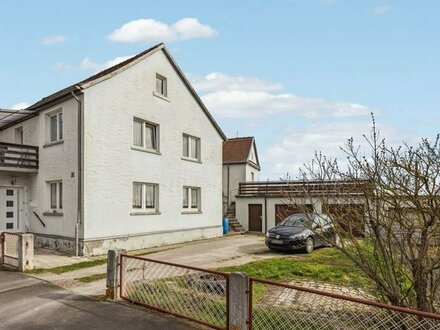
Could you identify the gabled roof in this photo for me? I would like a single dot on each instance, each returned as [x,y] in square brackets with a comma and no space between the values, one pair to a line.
[236,150]
[66,93]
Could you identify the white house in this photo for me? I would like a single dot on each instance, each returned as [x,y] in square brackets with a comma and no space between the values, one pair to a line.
[240,164]
[128,158]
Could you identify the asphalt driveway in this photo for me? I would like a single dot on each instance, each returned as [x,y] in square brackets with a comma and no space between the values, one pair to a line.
[29,303]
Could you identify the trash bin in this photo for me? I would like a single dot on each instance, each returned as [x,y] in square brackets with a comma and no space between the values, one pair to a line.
[225,225]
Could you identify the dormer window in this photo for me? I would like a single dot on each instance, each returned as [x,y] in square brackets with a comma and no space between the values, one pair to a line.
[161,85]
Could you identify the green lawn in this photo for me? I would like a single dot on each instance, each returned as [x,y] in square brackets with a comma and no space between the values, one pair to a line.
[326,265]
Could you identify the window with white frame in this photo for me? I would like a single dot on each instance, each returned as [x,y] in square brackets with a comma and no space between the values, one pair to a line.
[191,147]
[145,135]
[145,196]
[161,85]
[55,126]
[56,195]
[191,199]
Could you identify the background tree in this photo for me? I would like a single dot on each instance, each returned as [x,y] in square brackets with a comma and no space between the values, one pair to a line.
[390,196]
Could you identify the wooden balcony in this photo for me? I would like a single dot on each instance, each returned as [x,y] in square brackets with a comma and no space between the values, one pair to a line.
[18,157]
[300,188]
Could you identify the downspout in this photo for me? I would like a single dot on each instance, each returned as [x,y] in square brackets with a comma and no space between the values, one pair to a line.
[265,213]
[227,185]
[79,196]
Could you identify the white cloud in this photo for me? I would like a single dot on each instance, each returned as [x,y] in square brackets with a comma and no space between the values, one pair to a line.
[144,30]
[381,10]
[55,39]
[89,64]
[217,81]
[298,147]
[21,105]
[241,104]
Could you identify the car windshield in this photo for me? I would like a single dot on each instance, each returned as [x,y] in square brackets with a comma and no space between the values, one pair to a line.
[295,220]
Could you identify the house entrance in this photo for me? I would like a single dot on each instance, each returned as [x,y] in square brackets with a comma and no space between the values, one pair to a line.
[9,209]
[255,217]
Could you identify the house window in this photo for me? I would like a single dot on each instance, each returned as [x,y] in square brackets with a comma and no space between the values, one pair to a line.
[56,127]
[145,196]
[161,85]
[145,135]
[56,195]
[191,199]
[191,147]
[252,176]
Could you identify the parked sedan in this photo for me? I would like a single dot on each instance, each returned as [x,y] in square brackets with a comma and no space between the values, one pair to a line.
[302,232]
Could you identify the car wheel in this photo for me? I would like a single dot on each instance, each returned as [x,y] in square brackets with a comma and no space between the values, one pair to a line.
[310,244]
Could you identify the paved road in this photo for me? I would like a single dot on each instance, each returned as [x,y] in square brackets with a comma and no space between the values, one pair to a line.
[29,303]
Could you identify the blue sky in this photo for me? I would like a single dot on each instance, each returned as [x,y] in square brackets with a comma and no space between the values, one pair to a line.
[299,75]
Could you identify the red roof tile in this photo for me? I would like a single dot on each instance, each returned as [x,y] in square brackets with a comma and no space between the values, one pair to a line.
[237,150]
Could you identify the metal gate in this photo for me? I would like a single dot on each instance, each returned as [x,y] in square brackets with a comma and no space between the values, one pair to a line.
[193,293]
[10,248]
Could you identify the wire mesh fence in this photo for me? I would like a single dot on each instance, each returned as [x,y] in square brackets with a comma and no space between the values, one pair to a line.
[10,248]
[279,306]
[196,294]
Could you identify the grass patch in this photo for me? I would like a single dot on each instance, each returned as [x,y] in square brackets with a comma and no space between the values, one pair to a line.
[325,265]
[71,267]
[85,264]
[91,278]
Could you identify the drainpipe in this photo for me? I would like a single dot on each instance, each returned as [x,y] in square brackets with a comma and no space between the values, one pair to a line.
[79,197]
[265,213]
[227,185]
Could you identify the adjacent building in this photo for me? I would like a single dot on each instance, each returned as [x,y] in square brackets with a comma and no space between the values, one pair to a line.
[128,158]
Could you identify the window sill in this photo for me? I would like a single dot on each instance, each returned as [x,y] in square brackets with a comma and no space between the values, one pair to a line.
[150,151]
[54,143]
[192,160]
[53,214]
[192,212]
[163,97]
[144,213]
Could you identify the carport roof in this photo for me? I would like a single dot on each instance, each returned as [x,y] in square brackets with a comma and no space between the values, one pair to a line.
[8,116]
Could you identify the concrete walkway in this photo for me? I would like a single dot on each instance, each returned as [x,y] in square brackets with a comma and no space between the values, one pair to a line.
[29,303]
[215,253]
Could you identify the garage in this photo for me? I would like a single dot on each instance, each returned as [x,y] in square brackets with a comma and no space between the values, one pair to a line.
[349,216]
[282,211]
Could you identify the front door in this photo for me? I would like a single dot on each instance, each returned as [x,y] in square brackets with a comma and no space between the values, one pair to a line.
[255,217]
[9,209]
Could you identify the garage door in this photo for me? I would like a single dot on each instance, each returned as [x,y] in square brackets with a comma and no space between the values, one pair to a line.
[349,216]
[282,211]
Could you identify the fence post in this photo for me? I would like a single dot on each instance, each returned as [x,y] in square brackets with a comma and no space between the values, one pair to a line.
[238,302]
[25,252]
[113,264]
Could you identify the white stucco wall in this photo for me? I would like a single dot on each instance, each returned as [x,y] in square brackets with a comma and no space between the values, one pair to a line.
[56,162]
[111,165]
[237,174]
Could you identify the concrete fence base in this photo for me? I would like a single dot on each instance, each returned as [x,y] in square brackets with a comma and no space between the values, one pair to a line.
[24,251]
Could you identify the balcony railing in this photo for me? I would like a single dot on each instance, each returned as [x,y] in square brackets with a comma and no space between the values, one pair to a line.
[289,188]
[18,156]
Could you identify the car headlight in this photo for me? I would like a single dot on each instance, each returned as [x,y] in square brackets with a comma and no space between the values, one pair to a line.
[298,236]
[267,234]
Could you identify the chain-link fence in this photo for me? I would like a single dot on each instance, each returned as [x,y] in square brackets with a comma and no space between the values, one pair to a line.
[9,248]
[196,294]
[279,306]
